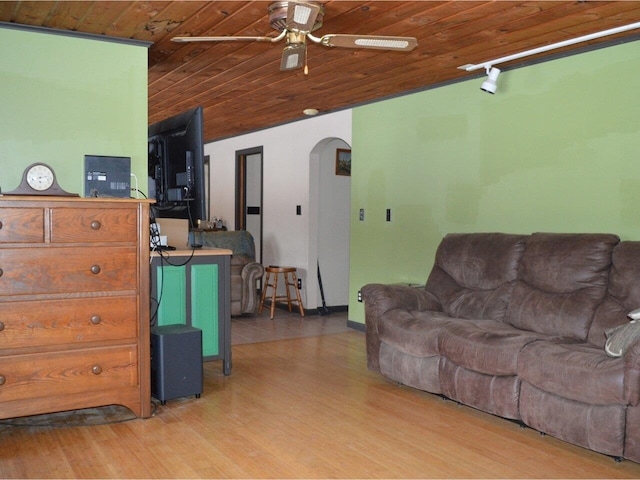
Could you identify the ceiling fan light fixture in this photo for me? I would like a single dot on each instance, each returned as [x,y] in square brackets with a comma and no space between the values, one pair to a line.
[310,112]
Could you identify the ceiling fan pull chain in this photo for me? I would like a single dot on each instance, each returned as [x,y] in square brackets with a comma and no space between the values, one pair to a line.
[306,68]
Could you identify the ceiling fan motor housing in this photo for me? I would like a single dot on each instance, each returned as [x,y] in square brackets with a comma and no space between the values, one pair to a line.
[278,15]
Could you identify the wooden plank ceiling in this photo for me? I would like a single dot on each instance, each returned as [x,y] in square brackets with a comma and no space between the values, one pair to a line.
[241,86]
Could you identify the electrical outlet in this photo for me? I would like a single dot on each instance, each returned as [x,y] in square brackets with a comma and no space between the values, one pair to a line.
[359,296]
[361,215]
[299,284]
[388,214]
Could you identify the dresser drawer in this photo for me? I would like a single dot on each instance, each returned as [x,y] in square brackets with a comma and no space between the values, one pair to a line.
[67,270]
[24,225]
[69,372]
[58,322]
[80,225]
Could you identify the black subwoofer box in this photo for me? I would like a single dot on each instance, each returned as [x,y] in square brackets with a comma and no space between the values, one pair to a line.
[176,362]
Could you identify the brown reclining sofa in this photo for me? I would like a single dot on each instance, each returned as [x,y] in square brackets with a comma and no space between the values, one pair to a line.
[514,325]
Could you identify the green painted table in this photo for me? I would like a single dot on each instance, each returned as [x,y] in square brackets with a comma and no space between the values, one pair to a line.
[193,287]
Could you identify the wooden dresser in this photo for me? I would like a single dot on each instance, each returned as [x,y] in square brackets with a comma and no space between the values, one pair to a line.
[74,304]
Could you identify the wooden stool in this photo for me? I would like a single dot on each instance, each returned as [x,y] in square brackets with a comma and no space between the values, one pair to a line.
[290,280]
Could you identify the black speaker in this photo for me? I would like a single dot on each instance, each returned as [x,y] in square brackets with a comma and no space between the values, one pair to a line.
[176,362]
[107,176]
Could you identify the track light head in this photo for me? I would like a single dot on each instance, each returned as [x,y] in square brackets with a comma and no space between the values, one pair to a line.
[490,85]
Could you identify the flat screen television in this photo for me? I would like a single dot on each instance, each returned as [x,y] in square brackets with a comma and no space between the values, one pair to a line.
[176,167]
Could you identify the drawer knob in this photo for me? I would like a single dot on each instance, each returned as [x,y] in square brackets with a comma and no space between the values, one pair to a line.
[1,272]
[1,326]
[95,225]
[96,319]
[96,369]
[95,269]
[3,379]
[0,224]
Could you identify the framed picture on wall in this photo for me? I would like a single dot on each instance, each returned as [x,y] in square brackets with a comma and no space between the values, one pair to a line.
[343,161]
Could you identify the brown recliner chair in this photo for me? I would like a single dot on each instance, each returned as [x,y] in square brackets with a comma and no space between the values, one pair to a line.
[245,271]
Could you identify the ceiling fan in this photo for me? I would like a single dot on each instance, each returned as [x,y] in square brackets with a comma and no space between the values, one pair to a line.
[295,21]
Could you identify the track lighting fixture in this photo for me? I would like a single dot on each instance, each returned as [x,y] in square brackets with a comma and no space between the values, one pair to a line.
[546,48]
[490,85]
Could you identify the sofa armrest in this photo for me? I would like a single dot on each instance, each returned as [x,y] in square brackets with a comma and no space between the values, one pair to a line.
[387,297]
[379,299]
[631,360]
[251,272]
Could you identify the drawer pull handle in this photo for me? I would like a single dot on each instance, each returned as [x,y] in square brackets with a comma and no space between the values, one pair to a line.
[95,269]
[1,272]
[95,225]
[96,369]
[0,224]
[3,379]
[96,319]
[1,326]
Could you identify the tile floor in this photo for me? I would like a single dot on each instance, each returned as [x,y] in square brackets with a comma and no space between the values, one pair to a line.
[260,328]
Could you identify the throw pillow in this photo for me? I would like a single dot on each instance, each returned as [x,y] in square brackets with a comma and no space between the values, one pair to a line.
[620,337]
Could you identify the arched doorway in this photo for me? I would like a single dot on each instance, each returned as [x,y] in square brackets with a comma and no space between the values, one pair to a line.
[330,225]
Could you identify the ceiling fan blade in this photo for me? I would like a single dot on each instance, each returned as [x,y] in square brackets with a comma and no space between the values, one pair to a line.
[301,16]
[379,42]
[228,39]
[292,56]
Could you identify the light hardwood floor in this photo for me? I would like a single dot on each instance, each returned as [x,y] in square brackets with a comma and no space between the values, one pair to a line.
[285,325]
[301,408]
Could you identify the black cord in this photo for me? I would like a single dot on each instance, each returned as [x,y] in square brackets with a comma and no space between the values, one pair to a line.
[153,321]
[164,259]
[140,192]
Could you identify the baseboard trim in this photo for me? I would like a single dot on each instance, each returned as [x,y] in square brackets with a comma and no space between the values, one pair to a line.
[320,311]
[356,325]
[311,311]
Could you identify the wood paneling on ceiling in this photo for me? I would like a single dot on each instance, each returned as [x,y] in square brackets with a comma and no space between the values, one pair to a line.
[241,87]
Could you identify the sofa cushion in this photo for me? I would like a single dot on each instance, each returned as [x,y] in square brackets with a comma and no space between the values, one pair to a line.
[412,332]
[598,427]
[578,371]
[561,280]
[486,346]
[498,395]
[562,314]
[420,372]
[472,273]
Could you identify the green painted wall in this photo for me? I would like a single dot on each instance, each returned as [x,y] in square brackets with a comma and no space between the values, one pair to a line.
[557,148]
[63,97]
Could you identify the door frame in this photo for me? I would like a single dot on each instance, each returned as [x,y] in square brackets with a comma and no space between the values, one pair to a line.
[241,191]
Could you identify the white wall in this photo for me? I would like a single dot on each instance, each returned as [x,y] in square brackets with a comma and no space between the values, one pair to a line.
[287,150]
